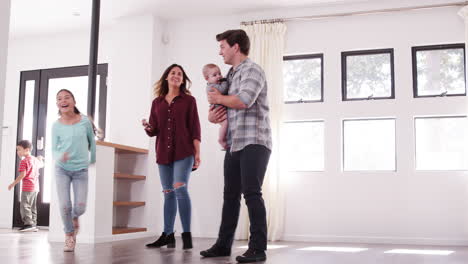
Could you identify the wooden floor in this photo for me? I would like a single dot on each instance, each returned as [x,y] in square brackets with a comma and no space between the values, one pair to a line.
[27,248]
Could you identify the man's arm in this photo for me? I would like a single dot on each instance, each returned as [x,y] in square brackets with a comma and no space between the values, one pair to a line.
[231,101]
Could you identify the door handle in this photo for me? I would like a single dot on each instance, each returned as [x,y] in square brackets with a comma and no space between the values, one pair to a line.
[40,143]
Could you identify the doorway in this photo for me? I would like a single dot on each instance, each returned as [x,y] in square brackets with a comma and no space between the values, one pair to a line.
[37,112]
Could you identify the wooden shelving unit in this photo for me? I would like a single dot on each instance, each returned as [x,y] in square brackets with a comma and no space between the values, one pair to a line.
[126,230]
[123,176]
[128,203]
[122,148]
[130,165]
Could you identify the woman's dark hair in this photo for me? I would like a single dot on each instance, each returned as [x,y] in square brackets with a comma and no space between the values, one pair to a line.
[26,144]
[234,36]
[75,110]
[161,88]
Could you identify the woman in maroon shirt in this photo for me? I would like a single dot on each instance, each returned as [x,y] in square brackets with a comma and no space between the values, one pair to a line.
[175,123]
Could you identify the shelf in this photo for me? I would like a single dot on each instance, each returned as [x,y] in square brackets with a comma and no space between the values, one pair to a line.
[122,148]
[128,203]
[129,176]
[126,230]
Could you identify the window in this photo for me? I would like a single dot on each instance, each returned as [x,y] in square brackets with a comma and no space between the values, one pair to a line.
[369,145]
[367,75]
[303,78]
[304,145]
[439,70]
[441,143]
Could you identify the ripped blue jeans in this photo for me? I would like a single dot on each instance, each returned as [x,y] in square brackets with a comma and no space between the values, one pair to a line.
[174,180]
[78,180]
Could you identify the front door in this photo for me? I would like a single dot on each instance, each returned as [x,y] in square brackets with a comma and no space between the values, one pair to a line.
[38,111]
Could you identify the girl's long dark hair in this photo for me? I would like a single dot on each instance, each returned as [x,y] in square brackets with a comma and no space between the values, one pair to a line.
[161,88]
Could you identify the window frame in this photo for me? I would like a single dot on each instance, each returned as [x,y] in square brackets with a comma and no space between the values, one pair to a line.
[345,54]
[284,123]
[414,67]
[343,168]
[304,57]
[415,142]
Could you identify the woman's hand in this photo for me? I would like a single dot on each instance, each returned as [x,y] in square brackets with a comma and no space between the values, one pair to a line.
[196,161]
[146,125]
[217,114]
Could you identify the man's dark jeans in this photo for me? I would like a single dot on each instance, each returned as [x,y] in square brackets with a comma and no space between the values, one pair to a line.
[244,172]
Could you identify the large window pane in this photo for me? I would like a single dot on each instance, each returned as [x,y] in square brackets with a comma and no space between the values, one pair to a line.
[369,145]
[304,146]
[28,116]
[303,78]
[367,74]
[439,70]
[441,143]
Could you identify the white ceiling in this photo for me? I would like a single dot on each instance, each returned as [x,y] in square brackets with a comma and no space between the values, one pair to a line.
[42,16]
[45,16]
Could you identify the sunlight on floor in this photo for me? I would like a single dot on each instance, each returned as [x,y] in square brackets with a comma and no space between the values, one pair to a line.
[335,249]
[420,252]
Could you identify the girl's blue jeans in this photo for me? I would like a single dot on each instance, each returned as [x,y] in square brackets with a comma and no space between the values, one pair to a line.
[78,180]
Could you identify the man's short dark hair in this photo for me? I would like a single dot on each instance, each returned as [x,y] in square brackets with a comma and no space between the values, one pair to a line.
[234,36]
[26,144]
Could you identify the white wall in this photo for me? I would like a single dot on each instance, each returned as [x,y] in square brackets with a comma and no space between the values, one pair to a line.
[400,207]
[126,46]
[406,206]
[4,29]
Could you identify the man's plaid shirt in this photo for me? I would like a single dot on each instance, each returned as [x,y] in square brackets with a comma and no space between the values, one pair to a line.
[251,125]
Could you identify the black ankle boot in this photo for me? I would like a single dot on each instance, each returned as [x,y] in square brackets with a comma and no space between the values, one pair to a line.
[216,251]
[164,240]
[187,239]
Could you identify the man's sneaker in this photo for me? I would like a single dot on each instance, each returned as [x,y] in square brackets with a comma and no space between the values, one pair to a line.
[28,228]
[251,255]
[69,244]
[216,251]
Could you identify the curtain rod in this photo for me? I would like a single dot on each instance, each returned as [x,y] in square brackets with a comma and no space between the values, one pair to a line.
[376,11]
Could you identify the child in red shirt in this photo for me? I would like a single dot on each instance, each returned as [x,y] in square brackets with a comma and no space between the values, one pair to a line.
[29,175]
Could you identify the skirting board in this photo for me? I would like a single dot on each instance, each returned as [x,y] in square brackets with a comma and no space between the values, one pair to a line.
[378,240]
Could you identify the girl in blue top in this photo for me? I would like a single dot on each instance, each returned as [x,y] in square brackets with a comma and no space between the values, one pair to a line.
[74,148]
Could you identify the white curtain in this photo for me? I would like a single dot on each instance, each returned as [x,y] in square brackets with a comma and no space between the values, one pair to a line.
[267,50]
[463,13]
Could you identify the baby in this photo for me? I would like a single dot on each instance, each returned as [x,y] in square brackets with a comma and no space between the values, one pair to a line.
[215,80]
